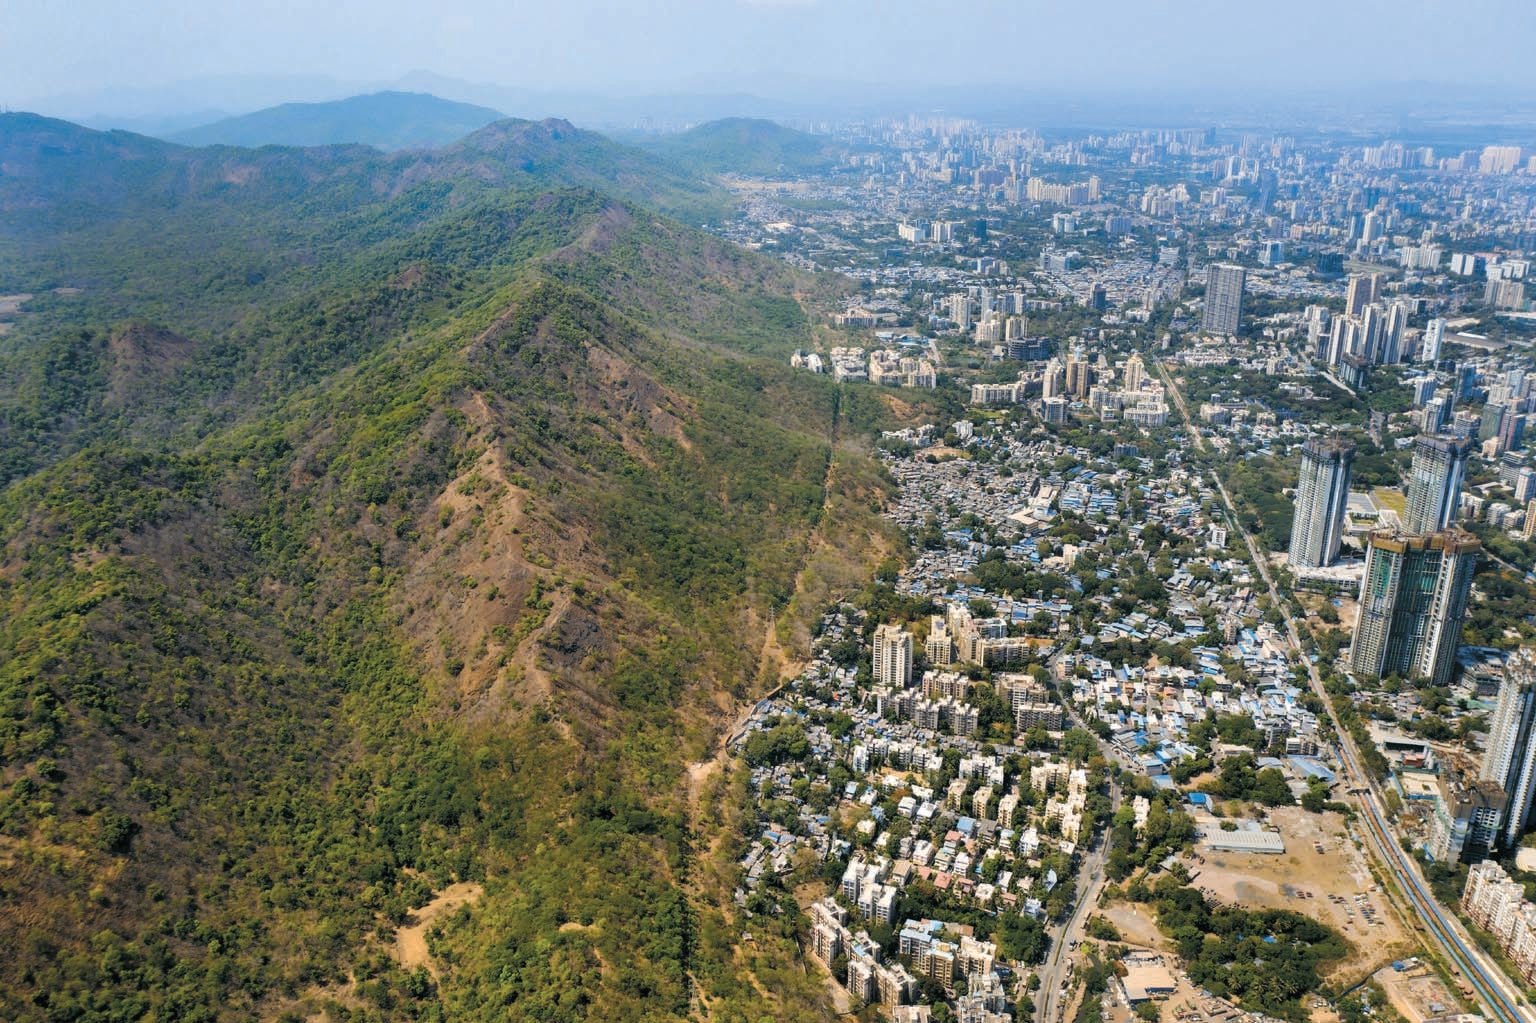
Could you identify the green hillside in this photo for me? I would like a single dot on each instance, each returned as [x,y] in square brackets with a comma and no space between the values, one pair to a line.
[386,120]
[419,529]
[65,188]
[748,146]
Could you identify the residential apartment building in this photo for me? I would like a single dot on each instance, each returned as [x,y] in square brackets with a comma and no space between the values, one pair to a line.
[1223,298]
[893,656]
[1413,598]
[1434,483]
[1322,497]
[1510,760]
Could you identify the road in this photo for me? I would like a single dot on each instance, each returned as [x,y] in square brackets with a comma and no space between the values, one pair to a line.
[1341,385]
[1090,874]
[1053,973]
[1529,575]
[1501,999]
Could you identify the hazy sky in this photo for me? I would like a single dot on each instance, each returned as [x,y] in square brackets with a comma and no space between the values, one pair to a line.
[54,47]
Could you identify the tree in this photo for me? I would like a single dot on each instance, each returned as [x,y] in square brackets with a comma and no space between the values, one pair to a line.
[1022,937]
[1270,788]
[1101,928]
[1079,745]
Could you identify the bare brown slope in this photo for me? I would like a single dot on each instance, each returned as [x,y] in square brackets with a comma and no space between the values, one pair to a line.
[142,356]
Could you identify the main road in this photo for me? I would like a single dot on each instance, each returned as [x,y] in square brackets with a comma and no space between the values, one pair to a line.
[1053,1003]
[1502,999]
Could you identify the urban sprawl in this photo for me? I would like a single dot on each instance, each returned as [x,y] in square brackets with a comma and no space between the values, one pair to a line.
[1206,691]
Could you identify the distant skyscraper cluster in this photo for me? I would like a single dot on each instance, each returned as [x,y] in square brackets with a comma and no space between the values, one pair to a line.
[1369,332]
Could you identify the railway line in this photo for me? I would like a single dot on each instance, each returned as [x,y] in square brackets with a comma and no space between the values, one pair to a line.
[1488,983]
[1490,990]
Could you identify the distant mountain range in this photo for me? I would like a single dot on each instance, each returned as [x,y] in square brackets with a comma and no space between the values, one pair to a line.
[1427,112]
[386,120]
[60,175]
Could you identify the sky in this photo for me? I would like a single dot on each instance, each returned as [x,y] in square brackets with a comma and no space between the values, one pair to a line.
[82,51]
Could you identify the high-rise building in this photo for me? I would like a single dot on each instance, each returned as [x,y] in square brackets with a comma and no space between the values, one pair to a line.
[1322,495]
[1466,380]
[1079,375]
[1372,326]
[1434,334]
[1434,483]
[1372,227]
[1499,159]
[1524,486]
[1363,290]
[1392,334]
[1223,298]
[893,656]
[1317,318]
[1053,379]
[959,309]
[1511,432]
[1412,601]
[1343,339]
[1493,418]
[1463,425]
[1510,760]
[941,645]
[1135,372]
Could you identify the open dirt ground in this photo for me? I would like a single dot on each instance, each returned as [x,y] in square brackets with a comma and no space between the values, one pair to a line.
[1322,874]
[1417,993]
[411,939]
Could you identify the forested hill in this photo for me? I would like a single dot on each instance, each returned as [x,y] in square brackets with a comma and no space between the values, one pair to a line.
[57,177]
[388,120]
[374,524]
[747,145]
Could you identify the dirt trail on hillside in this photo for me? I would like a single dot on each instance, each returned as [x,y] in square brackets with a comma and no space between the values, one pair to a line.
[411,939]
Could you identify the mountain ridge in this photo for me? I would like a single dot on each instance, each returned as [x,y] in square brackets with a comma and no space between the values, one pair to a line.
[46,161]
[387,120]
[436,563]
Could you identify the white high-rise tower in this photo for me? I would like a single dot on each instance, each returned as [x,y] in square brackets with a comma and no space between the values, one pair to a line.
[1322,496]
[1511,756]
[893,656]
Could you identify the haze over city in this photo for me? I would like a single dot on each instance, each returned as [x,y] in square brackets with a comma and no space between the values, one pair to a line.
[108,60]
